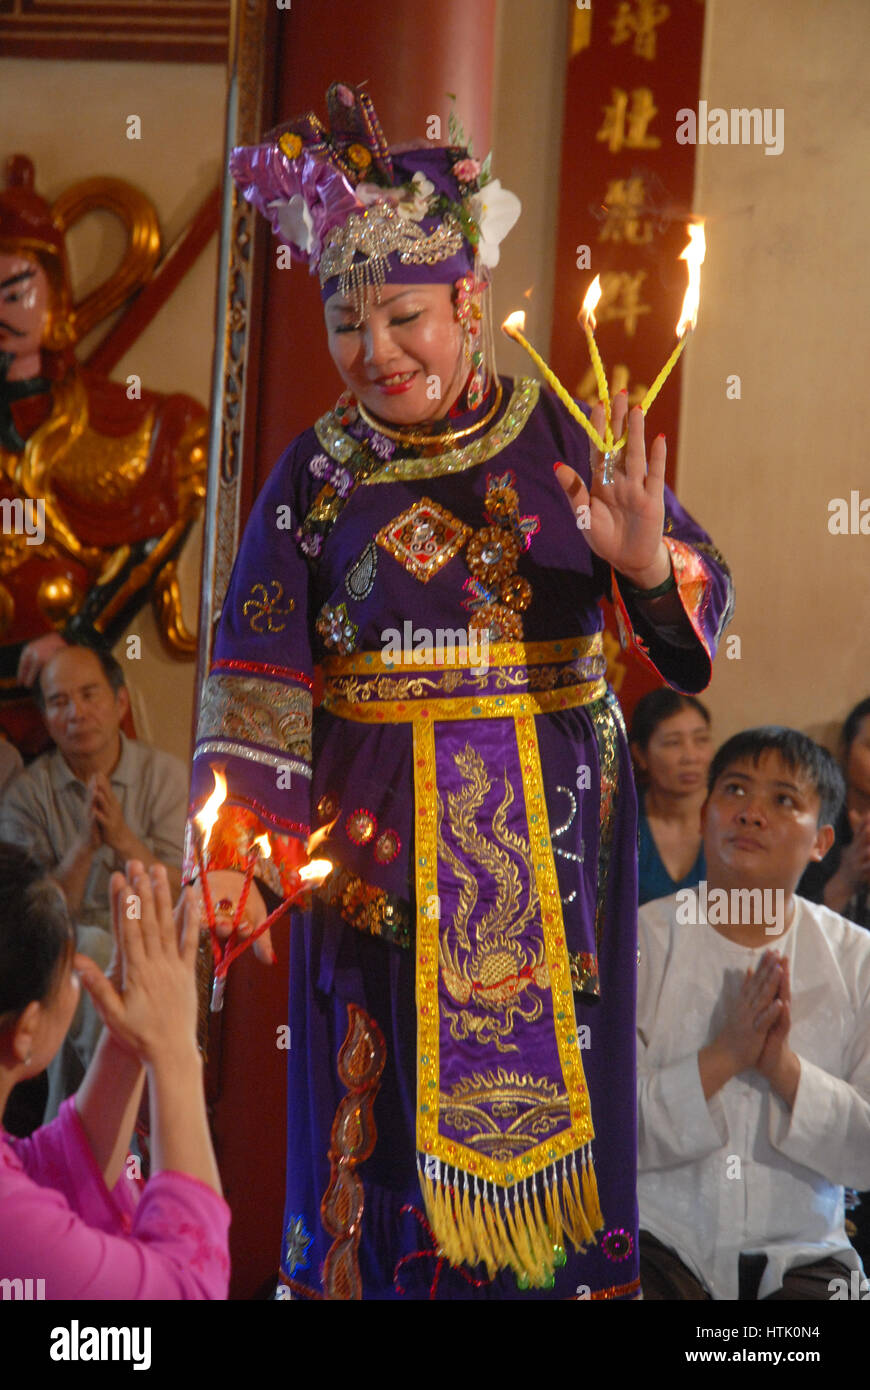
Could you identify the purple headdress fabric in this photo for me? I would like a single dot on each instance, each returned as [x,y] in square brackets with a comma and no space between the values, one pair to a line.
[359,213]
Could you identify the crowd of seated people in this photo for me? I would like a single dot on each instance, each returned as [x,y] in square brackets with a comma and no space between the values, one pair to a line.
[753,1007]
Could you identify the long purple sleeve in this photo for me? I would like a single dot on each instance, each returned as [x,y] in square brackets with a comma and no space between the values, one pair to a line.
[60,1223]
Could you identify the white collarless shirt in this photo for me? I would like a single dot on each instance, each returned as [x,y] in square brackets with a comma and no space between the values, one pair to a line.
[740,1173]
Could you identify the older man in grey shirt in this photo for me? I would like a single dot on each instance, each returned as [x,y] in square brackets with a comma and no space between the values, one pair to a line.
[95,801]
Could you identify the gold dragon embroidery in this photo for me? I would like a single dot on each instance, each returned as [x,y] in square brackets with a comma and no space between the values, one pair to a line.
[486,969]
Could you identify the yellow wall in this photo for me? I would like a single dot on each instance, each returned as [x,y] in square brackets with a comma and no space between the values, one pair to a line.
[71,118]
[785,305]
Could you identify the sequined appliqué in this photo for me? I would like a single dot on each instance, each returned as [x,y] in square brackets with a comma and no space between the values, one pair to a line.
[360,578]
[387,846]
[423,538]
[617,1244]
[336,629]
[263,610]
[327,807]
[297,1243]
[360,826]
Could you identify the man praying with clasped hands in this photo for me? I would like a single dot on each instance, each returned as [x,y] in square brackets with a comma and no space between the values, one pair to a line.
[753,1046]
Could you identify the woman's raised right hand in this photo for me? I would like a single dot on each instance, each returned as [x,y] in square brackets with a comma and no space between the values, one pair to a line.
[151,1010]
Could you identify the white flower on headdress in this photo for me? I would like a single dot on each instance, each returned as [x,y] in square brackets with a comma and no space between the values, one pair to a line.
[415,202]
[369,193]
[294,222]
[495,210]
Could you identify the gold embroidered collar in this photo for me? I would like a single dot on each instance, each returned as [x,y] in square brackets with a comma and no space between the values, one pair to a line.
[524,397]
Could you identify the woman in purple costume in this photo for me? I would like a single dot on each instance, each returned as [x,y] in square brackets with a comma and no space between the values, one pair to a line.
[439,544]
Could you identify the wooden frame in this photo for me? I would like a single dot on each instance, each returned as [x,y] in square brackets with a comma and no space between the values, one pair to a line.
[181,31]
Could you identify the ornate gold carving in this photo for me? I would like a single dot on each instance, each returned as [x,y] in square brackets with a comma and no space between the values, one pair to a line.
[140,257]
[99,467]
[58,597]
[168,610]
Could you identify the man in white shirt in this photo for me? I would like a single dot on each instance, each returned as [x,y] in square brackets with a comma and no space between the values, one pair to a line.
[754,1062]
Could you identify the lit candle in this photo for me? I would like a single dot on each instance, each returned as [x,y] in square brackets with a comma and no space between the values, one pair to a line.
[587,318]
[513,326]
[262,850]
[694,256]
[205,823]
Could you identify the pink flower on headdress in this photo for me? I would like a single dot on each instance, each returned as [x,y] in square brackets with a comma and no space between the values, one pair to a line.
[345,95]
[467,170]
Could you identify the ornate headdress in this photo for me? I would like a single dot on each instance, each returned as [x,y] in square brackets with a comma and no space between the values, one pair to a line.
[360,213]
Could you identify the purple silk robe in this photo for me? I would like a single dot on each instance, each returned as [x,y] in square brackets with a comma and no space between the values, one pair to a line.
[290,771]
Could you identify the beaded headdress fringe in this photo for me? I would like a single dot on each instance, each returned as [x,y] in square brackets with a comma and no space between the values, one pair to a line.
[522,1228]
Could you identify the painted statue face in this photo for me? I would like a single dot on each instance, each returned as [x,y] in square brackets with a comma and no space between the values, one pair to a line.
[760,825]
[25,300]
[405,360]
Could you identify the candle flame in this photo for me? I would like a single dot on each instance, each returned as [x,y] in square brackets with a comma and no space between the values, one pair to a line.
[590,302]
[527,294]
[316,838]
[263,845]
[694,256]
[315,872]
[206,818]
[515,322]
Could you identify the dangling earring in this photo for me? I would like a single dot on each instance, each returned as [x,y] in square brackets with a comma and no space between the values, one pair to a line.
[468,315]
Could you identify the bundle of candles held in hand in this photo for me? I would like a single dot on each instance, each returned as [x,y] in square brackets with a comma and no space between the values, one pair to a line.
[515,323]
[310,875]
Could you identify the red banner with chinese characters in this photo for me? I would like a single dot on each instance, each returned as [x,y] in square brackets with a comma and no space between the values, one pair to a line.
[625,203]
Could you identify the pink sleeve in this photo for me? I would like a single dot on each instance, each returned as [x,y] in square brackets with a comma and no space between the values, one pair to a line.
[59,1223]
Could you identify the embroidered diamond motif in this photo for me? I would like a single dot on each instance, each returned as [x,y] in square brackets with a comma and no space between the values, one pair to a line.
[423,538]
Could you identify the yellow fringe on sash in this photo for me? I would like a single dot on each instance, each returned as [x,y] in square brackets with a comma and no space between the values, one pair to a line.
[525,1235]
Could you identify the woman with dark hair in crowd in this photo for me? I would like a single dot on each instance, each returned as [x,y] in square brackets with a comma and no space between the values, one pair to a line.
[671,746]
[842,880]
[74,1219]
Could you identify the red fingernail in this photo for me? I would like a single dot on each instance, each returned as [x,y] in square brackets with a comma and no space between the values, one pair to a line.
[274,958]
[659,436]
[558,464]
[624,391]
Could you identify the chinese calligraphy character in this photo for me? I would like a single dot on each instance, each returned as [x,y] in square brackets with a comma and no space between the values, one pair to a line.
[617,116]
[620,299]
[623,201]
[640,19]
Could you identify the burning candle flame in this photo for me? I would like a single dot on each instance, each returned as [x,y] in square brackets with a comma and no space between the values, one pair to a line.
[315,872]
[590,302]
[263,845]
[515,321]
[317,837]
[206,818]
[694,256]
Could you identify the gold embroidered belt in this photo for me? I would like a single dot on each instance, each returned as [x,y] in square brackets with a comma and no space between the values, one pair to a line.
[519,678]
